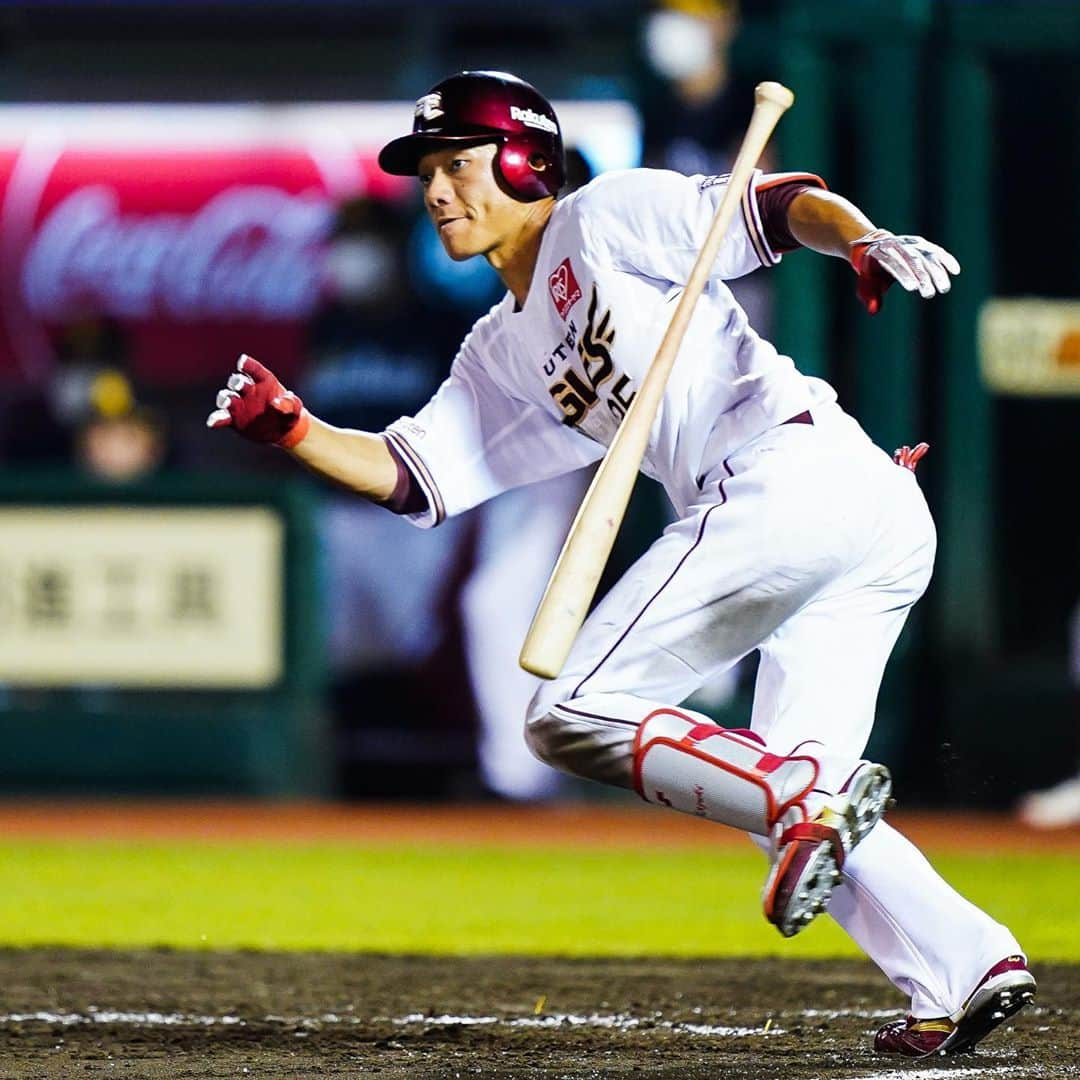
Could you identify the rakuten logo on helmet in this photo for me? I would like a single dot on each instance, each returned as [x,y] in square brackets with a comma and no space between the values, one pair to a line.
[534,120]
[248,252]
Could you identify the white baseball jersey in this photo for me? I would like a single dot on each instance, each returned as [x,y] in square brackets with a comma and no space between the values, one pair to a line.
[540,391]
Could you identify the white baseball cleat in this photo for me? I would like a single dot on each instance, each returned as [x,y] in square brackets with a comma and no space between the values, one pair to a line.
[810,855]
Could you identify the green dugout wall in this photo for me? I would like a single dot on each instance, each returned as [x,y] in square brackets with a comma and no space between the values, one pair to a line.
[160,637]
[897,97]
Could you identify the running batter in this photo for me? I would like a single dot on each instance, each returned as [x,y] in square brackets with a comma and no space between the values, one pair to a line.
[794,535]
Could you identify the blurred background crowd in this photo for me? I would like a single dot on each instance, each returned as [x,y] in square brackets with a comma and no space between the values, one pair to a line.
[183,182]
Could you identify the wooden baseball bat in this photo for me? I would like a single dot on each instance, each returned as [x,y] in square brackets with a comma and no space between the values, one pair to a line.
[573,581]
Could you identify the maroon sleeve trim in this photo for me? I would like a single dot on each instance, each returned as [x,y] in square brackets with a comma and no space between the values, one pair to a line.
[407,497]
[773,205]
[775,195]
[754,230]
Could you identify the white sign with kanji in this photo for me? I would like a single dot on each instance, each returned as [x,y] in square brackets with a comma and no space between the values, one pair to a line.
[150,597]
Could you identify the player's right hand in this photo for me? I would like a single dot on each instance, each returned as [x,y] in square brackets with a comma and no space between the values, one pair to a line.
[255,404]
[909,456]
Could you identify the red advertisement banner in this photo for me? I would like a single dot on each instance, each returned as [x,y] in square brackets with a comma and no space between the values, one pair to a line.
[196,252]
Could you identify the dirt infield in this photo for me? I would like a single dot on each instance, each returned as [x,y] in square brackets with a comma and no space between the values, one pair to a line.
[168,1015]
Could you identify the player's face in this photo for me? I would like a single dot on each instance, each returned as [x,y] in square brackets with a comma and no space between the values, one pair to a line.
[470,212]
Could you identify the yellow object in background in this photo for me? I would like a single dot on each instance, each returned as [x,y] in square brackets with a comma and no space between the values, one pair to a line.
[111,395]
[1030,347]
[703,8]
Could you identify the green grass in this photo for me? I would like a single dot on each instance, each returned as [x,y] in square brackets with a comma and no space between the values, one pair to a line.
[462,899]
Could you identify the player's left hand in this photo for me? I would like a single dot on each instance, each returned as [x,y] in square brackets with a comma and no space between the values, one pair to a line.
[880,258]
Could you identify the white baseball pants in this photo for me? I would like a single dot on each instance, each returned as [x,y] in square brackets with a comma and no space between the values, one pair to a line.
[810,546]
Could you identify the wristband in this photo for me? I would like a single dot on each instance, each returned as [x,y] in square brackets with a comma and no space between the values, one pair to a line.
[857,254]
[297,433]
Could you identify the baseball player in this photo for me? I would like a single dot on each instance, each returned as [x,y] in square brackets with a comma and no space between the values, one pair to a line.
[793,535]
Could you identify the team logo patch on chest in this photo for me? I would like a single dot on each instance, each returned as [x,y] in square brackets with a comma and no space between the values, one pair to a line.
[564,289]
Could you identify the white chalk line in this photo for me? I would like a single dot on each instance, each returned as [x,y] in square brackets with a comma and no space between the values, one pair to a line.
[1026,1072]
[546,1021]
[616,1021]
[837,1014]
[116,1016]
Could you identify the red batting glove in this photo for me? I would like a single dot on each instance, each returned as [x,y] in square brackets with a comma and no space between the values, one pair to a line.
[255,404]
[910,456]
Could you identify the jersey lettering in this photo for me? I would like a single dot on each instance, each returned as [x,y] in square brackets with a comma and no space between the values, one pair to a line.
[595,344]
[559,352]
[577,396]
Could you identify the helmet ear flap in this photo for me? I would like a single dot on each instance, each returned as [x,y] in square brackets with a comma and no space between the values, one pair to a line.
[526,171]
[538,162]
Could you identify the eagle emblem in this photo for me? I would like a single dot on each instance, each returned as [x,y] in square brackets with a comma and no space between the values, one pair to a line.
[429,107]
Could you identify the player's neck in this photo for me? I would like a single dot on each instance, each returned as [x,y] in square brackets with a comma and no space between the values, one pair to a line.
[514,259]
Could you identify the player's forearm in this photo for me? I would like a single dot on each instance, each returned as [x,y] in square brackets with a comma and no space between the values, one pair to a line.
[826,222]
[357,460]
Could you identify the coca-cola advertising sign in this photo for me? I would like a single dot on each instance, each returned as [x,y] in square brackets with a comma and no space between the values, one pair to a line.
[248,253]
[201,239]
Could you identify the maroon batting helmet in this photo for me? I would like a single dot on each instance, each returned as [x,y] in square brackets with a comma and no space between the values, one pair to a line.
[476,107]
